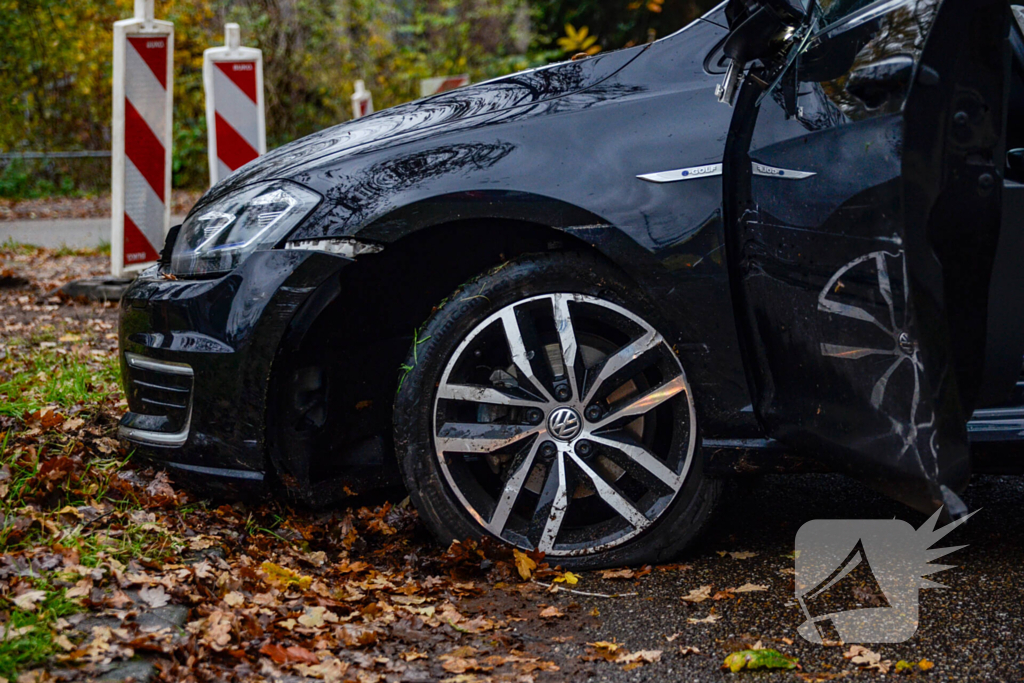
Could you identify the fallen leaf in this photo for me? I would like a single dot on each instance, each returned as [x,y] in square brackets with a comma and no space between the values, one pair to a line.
[647,656]
[618,574]
[284,655]
[925,665]
[458,665]
[283,576]
[865,658]
[551,612]
[698,594]
[28,600]
[234,599]
[568,577]
[154,596]
[685,650]
[412,655]
[524,564]
[709,619]
[759,659]
[748,588]
[737,555]
[316,617]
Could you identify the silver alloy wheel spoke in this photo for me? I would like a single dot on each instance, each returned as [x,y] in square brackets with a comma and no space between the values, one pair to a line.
[642,457]
[613,498]
[566,338]
[516,345]
[513,487]
[472,437]
[484,394]
[558,507]
[647,402]
[621,358]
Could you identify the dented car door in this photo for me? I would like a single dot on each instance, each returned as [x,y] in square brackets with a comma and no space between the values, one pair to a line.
[863,188]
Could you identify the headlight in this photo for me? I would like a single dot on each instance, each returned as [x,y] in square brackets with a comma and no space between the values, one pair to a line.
[219,238]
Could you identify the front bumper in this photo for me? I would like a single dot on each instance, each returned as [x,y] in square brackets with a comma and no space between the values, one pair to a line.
[196,359]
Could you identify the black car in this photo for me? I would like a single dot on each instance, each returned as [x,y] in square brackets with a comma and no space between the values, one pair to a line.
[562,305]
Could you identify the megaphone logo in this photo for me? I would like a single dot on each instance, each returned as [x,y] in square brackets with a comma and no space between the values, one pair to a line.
[858,580]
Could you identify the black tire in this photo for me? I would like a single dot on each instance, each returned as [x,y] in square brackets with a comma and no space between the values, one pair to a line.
[677,523]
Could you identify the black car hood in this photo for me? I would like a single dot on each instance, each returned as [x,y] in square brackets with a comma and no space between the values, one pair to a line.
[430,116]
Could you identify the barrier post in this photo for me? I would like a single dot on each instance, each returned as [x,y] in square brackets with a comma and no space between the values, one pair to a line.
[235,123]
[362,101]
[140,183]
[439,84]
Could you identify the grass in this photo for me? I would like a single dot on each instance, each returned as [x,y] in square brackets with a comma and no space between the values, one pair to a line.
[36,644]
[48,377]
[22,249]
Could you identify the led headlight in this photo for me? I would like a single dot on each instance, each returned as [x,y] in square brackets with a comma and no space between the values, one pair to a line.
[221,236]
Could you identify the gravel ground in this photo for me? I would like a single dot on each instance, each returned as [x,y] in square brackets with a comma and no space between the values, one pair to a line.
[972,631]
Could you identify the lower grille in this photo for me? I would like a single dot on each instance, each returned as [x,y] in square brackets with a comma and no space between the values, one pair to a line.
[160,396]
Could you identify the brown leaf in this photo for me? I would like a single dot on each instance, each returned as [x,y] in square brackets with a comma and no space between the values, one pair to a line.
[458,665]
[285,655]
[698,594]
[551,612]
[748,588]
[154,596]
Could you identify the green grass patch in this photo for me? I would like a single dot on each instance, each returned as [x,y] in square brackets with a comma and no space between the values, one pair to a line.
[36,644]
[45,377]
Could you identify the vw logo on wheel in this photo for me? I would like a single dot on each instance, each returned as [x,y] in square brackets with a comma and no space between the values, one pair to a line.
[565,424]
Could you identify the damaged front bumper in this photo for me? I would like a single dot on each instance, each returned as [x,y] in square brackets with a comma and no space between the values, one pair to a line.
[196,359]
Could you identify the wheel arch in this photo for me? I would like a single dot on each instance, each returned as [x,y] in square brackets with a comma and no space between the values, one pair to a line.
[337,368]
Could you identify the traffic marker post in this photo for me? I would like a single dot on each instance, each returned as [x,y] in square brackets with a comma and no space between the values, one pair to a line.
[235,123]
[140,181]
[439,84]
[362,101]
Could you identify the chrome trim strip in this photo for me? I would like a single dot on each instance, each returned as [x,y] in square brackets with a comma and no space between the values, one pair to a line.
[714,170]
[783,173]
[143,363]
[691,173]
[1016,412]
[151,438]
[216,471]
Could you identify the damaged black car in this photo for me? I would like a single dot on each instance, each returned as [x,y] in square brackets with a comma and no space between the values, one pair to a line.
[562,306]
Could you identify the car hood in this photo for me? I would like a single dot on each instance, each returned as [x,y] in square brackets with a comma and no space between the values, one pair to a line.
[429,116]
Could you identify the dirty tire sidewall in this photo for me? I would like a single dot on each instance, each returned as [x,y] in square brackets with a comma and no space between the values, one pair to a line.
[436,341]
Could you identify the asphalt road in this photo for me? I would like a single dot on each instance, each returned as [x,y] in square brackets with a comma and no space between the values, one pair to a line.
[972,631]
[76,233]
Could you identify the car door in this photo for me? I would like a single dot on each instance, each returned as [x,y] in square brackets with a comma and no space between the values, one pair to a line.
[862,186]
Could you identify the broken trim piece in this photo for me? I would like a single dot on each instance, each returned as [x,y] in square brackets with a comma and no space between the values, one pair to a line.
[346,247]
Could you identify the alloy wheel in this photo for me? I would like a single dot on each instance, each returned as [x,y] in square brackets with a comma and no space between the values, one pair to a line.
[565,423]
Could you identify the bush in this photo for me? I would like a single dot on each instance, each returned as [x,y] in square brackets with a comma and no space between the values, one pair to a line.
[55,61]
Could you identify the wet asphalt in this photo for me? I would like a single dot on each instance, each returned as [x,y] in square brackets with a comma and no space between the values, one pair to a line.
[972,631]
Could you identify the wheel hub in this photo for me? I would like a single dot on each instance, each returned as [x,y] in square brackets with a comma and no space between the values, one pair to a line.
[565,424]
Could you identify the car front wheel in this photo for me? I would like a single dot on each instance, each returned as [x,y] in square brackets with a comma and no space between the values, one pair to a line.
[541,405]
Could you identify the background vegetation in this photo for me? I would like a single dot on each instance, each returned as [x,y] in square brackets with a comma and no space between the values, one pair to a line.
[55,64]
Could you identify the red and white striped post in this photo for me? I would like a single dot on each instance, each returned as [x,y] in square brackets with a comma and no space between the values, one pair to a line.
[235,125]
[362,101]
[439,84]
[140,181]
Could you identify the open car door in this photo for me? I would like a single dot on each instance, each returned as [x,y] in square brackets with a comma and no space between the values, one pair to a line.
[863,184]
